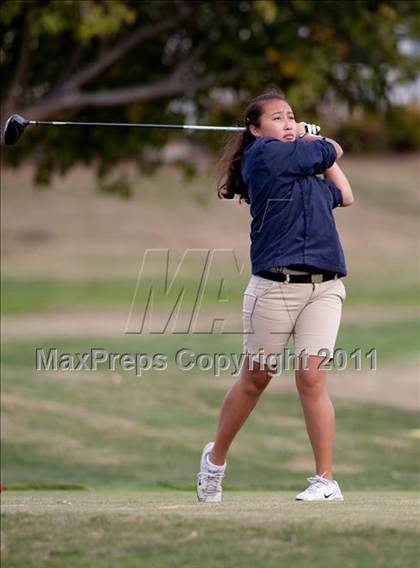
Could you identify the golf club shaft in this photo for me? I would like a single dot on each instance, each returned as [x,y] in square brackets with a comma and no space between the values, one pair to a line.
[137,125]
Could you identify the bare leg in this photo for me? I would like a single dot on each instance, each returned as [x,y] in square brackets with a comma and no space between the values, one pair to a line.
[319,413]
[237,406]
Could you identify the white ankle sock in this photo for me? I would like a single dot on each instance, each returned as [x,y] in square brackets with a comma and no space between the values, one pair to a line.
[213,465]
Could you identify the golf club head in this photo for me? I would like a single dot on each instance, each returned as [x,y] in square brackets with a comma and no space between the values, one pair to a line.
[14,128]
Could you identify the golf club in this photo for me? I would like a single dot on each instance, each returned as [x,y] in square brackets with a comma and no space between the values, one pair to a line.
[16,125]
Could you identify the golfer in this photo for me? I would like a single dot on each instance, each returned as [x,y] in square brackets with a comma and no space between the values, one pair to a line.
[296,284]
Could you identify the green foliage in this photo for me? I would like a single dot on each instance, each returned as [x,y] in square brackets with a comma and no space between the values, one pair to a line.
[84,20]
[310,49]
[363,134]
[397,129]
[403,127]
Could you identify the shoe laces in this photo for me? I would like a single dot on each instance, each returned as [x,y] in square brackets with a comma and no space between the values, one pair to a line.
[213,481]
[316,482]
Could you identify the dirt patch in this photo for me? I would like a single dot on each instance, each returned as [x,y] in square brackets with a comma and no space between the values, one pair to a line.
[394,384]
[305,463]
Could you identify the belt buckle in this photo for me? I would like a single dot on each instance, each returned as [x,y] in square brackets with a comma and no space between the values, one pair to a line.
[316,278]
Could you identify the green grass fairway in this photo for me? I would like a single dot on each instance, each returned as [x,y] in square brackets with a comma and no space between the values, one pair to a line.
[102,428]
[95,528]
[99,467]
[22,296]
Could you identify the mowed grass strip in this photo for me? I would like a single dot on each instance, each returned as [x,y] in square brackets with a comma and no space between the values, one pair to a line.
[165,529]
[31,295]
[113,429]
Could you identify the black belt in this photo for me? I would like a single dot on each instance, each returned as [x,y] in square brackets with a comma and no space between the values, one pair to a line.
[298,278]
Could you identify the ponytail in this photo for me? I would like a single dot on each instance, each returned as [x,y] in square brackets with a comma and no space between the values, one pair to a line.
[233,151]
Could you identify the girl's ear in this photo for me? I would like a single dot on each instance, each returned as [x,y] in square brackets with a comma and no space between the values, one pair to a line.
[254,131]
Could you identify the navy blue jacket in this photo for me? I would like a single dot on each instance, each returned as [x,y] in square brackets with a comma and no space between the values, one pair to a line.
[291,206]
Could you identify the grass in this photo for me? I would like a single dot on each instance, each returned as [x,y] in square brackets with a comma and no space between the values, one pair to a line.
[113,429]
[165,529]
[99,468]
[379,185]
[393,341]
[21,295]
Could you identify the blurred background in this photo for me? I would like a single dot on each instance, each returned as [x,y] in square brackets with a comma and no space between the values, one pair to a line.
[80,208]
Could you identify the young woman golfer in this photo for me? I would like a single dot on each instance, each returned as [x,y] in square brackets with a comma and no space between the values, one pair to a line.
[295,287]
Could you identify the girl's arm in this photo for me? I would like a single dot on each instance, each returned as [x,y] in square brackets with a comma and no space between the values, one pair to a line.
[334,173]
[311,137]
[338,148]
[337,176]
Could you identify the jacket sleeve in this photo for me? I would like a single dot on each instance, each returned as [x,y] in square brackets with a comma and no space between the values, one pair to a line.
[337,196]
[298,158]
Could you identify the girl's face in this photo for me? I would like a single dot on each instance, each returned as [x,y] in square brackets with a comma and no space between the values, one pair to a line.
[277,120]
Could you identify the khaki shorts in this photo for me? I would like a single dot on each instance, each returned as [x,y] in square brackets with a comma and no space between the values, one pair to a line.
[273,311]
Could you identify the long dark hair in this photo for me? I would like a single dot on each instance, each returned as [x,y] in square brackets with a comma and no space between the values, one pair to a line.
[230,161]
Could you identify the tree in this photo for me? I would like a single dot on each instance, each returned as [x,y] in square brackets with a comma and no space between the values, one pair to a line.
[125,60]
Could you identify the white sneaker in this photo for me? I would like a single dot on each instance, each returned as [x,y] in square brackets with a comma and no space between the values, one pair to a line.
[209,478]
[321,489]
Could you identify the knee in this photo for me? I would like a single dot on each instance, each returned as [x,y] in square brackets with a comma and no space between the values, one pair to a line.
[255,382]
[310,383]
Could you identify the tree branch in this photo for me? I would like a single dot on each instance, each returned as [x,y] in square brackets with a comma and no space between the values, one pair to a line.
[184,69]
[18,82]
[114,97]
[126,44]
[181,79]
[72,64]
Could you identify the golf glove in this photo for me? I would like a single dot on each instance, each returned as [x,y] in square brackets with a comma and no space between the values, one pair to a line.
[311,129]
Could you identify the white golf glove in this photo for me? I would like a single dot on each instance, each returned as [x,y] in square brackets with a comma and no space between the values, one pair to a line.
[311,129]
